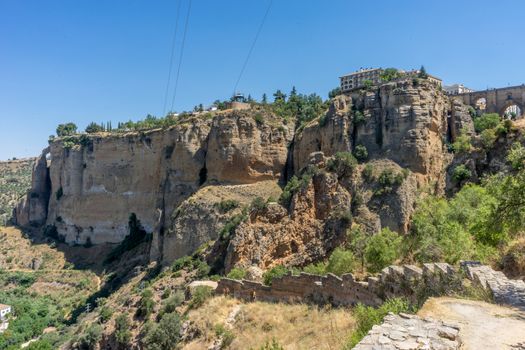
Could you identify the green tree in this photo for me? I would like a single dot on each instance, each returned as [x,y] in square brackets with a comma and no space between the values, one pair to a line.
[67,129]
[422,73]
[390,74]
[486,121]
[516,156]
[122,330]
[279,97]
[360,152]
[341,261]
[94,128]
[165,335]
[334,92]
[382,250]
[460,173]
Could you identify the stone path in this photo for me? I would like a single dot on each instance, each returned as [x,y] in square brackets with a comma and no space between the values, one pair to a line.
[406,332]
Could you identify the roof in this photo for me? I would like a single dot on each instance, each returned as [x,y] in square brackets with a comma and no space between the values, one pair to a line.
[361,71]
[4,306]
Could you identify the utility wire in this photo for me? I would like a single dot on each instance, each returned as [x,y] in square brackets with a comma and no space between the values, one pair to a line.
[253,46]
[171,59]
[181,54]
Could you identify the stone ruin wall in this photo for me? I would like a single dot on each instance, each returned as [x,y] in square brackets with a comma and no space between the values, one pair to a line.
[394,281]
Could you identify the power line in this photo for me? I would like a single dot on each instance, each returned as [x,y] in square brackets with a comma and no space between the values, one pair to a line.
[171,58]
[253,46]
[181,55]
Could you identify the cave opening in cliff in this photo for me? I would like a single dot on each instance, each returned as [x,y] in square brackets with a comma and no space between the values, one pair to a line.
[203,175]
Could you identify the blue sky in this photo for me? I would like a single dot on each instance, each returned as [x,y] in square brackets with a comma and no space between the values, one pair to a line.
[99,60]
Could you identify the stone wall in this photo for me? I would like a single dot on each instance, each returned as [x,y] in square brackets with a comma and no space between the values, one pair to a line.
[394,281]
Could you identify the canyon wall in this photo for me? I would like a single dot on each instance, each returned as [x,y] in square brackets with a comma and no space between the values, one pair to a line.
[88,188]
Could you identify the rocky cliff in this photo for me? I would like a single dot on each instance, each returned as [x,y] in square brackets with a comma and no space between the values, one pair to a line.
[174,178]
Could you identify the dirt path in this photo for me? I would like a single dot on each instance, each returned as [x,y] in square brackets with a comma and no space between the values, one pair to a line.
[482,325]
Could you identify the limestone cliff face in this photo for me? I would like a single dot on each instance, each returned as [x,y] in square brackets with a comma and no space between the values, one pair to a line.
[32,208]
[241,150]
[406,122]
[94,186]
[311,228]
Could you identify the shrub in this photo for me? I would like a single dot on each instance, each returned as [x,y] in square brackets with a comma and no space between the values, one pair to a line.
[231,225]
[516,156]
[237,273]
[181,263]
[360,152]
[259,119]
[488,138]
[225,334]
[368,173]
[343,164]
[91,337]
[382,250]
[460,173]
[199,296]
[227,205]
[486,121]
[274,272]
[258,204]
[273,345]
[105,314]
[164,335]
[341,261]
[359,118]
[462,144]
[389,179]
[146,304]
[122,332]
[170,305]
[293,186]
[366,317]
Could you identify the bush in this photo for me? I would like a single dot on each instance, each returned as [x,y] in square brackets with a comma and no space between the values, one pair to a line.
[275,272]
[237,273]
[122,332]
[94,128]
[359,118]
[360,152]
[368,173]
[462,144]
[341,261]
[199,296]
[382,250]
[516,156]
[343,164]
[294,185]
[90,339]
[486,121]
[460,173]
[227,205]
[389,179]
[146,304]
[105,314]
[231,225]
[170,305]
[366,317]
[258,204]
[488,138]
[165,335]
[225,334]
[259,119]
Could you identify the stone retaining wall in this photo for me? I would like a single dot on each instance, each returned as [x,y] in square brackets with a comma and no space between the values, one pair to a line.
[394,281]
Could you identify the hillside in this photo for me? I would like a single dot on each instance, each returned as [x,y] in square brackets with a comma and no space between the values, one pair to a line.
[15,180]
[397,174]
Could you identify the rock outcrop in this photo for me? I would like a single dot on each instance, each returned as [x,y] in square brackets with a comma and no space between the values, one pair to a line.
[93,183]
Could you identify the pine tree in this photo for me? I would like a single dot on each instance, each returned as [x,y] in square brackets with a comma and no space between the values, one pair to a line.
[264,99]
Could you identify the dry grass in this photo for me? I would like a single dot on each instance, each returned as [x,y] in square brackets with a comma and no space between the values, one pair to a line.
[293,326]
[244,194]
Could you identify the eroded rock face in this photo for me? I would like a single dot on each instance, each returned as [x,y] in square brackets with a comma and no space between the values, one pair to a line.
[240,150]
[32,208]
[311,228]
[95,185]
[200,218]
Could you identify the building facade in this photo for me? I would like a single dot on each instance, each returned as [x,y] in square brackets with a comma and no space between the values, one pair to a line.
[359,79]
[456,89]
[5,310]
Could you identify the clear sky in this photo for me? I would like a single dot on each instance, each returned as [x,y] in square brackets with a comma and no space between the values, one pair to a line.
[99,60]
